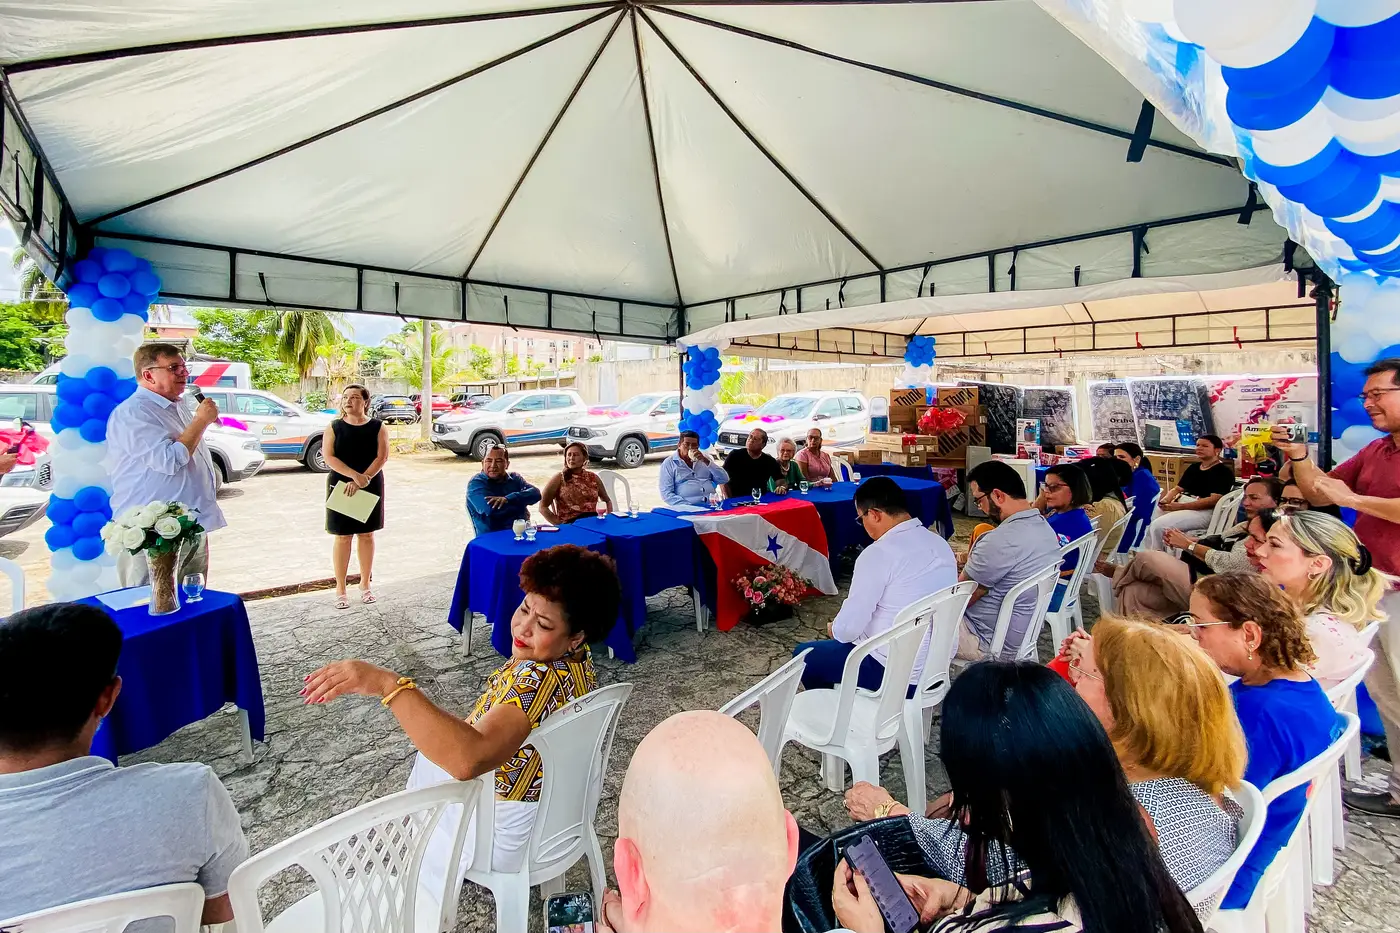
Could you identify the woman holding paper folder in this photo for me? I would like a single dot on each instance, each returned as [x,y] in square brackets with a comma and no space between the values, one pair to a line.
[356,448]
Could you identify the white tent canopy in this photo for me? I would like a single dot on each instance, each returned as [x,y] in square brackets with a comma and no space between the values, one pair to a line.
[631,169]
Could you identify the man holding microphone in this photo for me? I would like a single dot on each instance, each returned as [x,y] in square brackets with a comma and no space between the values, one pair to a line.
[156,452]
[1370,483]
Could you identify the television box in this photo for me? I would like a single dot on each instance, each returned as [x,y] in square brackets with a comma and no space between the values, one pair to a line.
[914,459]
[869,456]
[957,395]
[906,397]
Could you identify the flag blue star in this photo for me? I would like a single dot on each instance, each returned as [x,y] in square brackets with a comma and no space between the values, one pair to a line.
[773,546]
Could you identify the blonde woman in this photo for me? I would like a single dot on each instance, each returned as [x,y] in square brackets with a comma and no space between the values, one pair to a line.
[1327,572]
[356,448]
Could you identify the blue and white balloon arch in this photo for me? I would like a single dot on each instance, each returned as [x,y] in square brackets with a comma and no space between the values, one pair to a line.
[700,403]
[109,299]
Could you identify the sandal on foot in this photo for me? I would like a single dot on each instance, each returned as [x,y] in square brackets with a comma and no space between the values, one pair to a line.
[367,597]
[342,602]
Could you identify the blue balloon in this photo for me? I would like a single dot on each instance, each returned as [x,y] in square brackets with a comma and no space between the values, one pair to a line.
[88,524]
[61,511]
[68,415]
[136,303]
[85,270]
[114,285]
[1380,229]
[712,352]
[123,389]
[89,548]
[96,254]
[1365,60]
[694,353]
[90,499]
[1343,188]
[82,294]
[101,378]
[145,282]
[72,390]
[1280,175]
[1289,72]
[93,430]
[1351,412]
[694,383]
[1347,378]
[59,537]
[118,260]
[99,405]
[107,309]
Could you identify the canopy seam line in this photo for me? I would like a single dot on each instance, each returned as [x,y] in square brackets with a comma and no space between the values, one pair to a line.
[953,89]
[558,118]
[651,148]
[792,179]
[377,112]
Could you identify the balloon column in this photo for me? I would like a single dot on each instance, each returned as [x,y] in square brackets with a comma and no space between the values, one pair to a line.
[700,403]
[919,354]
[108,302]
[1367,328]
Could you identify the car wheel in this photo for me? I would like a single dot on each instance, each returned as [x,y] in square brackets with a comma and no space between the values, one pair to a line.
[220,475]
[631,452]
[483,443]
[315,460]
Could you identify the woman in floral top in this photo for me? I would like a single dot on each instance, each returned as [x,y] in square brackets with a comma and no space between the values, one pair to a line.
[571,599]
[575,492]
[1324,568]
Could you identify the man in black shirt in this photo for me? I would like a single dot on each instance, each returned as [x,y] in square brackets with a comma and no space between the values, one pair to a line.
[1207,480]
[751,468]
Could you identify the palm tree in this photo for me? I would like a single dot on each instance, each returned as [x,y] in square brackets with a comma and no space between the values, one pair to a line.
[405,359]
[299,334]
[35,287]
[342,364]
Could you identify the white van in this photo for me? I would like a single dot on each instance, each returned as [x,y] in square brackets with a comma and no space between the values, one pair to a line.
[207,374]
[842,417]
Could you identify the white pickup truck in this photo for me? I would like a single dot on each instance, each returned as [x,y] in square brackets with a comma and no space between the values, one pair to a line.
[630,430]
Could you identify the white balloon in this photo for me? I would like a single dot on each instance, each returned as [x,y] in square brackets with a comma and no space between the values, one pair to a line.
[79,318]
[1296,143]
[62,560]
[124,368]
[1358,347]
[1359,435]
[1244,33]
[1149,11]
[1356,12]
[74,364]
[85,571]
[108,579]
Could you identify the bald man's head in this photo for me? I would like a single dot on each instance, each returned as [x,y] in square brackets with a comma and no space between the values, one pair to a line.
[704,841]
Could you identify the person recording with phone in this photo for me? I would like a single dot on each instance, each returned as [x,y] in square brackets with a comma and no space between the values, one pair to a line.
[156,452]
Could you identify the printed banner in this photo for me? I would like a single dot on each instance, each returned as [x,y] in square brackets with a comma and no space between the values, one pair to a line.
[1273,399]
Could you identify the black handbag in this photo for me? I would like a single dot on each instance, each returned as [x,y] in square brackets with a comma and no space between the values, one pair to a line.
[807,903]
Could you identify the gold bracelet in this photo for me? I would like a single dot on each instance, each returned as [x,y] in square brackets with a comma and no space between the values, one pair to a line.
[405,683]
[883,810]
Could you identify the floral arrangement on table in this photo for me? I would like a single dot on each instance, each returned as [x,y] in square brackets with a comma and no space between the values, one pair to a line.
[161,530]
[940,420]
[771,591]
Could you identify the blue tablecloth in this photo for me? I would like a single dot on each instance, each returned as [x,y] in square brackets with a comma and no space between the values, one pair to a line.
[928,502]
[179,668]
[867,470]
[654,552]
[489,579]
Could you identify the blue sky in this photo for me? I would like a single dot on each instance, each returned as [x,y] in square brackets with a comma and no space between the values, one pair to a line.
[368,329]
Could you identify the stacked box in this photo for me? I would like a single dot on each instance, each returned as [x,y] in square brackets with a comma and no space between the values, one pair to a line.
[914,459]
[1167,468]
[906,417]
[957,396]
[869,456]
[899,443]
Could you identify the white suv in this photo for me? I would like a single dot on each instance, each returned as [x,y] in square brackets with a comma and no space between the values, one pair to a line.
[516,419]
[842,417]
[629,431]
[236,454]
[285,430]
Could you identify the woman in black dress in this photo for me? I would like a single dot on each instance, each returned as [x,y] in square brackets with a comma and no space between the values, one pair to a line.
[356,447]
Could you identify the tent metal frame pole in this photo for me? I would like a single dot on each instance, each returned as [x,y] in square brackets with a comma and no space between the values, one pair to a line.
[1133,137]
[1322,298]
[651,150]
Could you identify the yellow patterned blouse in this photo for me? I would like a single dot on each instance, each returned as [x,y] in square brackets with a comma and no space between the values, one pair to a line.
[538,688]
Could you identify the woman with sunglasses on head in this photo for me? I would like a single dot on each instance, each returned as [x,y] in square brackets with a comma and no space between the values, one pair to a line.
[1253,631]
[1044,835]
[1327,572]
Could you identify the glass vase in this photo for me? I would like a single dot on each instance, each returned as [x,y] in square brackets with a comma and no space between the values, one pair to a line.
[165,595]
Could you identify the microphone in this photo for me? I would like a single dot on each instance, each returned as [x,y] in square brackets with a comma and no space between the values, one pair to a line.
[197,392]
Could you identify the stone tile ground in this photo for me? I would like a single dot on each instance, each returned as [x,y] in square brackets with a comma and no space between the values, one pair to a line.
[319,761]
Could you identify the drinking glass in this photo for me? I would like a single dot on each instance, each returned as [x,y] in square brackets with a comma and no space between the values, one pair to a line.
[529,531]
[636,512]
[601,509]
[855,477]
[757,496]
[518,526]
[193,587]
[804,486]
[715,499]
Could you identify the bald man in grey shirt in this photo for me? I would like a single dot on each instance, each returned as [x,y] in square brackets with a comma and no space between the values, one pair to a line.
[73,826]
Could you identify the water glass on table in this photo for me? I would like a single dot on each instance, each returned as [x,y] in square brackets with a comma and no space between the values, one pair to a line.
[518,527]
[804,486]
[529,531]
[193,587]
[600,508]
[757,496]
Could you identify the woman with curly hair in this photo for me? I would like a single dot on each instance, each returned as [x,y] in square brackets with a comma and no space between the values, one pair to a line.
[1252,630]
[571,600]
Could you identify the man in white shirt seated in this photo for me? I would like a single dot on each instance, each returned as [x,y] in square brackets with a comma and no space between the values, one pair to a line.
[156,452]
[906,563]
[688,476]
[73,826]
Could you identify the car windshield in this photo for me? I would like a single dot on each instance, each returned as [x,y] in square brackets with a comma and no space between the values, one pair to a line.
[504,402]
[789,406]
[638,404]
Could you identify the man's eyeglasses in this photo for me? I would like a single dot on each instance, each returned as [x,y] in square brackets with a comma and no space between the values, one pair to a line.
[1295,503]
[1374,395]
[175,369]
[860,516]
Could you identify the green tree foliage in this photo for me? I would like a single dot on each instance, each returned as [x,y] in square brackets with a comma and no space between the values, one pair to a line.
[19,340]
[243,337]
[299,335]
[481,362]
[405,360]
[46,302]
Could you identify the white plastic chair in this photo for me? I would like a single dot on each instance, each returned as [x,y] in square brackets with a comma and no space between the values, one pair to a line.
[1125,546]
[574,745]
[1069,616]
[183,903]
[774,695]
[1346,703]
[1253,812]
[1043,581]
[1103,585]
[611,480]
[1223,516]
[947,607]
[848,724]
[365,862]
[16,574]
[1328,829]
[1280,900]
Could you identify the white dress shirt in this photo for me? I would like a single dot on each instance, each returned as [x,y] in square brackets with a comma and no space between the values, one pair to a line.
[684,484]
[907,563]
[148,463]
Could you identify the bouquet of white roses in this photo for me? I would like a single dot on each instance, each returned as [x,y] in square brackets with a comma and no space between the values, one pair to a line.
[157,527]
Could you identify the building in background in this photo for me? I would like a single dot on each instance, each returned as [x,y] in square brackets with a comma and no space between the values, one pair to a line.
[553,351]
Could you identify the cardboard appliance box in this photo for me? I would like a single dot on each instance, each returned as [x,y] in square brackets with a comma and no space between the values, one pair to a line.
[899,443]
[903,398]
[869,455]
[915,459]
[957,395]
